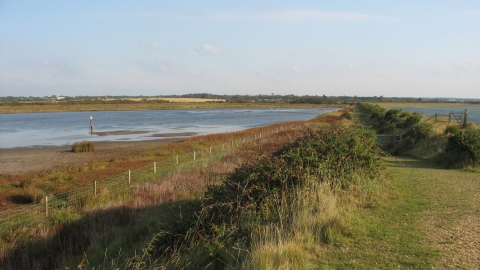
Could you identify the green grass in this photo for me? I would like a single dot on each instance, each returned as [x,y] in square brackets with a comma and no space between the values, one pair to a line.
[400,230]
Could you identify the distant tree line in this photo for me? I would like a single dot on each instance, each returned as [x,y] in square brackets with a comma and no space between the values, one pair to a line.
[273,98]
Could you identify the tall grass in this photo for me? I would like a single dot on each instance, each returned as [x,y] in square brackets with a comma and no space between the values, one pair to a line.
[267,201]
[83,146]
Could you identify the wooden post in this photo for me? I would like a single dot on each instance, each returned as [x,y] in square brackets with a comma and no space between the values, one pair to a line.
[177,159]
[450,118]
[129,176]
[435,121]
[46,206]
[193,155]
[210,150]
[95,188]
[155,167]
[465,119]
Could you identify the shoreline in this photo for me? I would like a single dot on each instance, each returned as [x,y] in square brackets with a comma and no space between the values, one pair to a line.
[21,160]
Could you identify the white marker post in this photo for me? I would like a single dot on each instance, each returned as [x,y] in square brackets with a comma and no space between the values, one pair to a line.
[91,125]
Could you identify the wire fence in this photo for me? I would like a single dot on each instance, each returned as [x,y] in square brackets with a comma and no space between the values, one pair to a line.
[76,199]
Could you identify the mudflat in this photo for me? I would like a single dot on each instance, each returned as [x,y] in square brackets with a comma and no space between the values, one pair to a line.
[15,161]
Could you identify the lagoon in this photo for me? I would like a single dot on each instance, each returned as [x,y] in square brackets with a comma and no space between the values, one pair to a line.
[66,128]
[472,111]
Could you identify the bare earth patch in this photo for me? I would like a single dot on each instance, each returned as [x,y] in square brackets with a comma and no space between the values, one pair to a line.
[460,245]
[456,230]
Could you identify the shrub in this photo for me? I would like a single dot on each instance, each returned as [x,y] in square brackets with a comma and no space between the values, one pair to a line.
[452,129]
[420,131]
[83,146]
[463,149]
[257,192]
[347,116]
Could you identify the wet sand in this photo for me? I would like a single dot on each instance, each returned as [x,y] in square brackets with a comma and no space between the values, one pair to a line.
[33,159]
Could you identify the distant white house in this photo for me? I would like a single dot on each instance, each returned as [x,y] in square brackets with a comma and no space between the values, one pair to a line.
[60,98]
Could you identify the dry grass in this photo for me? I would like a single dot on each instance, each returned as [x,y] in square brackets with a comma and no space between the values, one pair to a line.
[181,100]
[83,146]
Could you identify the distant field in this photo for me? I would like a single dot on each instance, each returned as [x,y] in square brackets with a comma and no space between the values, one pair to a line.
[182,100]
[149,104]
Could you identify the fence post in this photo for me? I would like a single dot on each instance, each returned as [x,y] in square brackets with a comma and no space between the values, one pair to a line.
[193,155]
[435,121]
[450,118]
[465,119]
[177,159]
[46,206]
[210,151]
[155,167]
[129,176]
[95,189]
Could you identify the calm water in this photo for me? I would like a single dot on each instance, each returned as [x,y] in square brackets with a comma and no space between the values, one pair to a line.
[47,129]
[473,112]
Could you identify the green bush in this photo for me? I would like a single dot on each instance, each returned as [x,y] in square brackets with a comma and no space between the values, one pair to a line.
[347,116]
[452,129]
[250,197]
[420,131]
[463,149]
[83,146]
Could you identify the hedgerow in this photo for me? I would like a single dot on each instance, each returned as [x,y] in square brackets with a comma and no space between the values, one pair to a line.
[463,149]
[255,194]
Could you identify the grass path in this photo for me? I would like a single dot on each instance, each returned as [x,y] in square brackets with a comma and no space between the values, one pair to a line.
[429,218]
[451,216]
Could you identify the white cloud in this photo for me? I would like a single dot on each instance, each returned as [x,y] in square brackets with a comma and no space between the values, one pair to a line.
[209,49]
[351,67]
[445,67]
[150,45]
[317,15]
[297,70]
[284,15]
[470,63]
[380,73]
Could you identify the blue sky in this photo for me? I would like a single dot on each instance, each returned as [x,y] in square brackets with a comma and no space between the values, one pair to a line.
[364,48]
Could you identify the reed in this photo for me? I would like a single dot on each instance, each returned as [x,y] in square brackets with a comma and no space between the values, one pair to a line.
[83,146]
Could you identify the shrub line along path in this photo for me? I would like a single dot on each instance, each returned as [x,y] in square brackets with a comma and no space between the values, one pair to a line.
[449,212]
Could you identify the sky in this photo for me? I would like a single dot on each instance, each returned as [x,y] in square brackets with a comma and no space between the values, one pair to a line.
[408,48]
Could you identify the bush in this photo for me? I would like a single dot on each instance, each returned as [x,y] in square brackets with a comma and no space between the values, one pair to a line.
[83,146]
[463,149]
[420,131]
[257,192]
[453,129]
[347,116]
